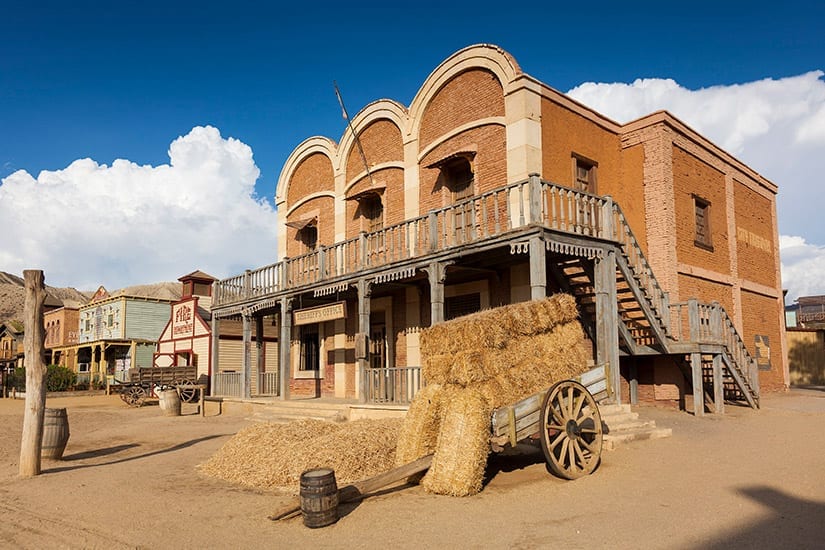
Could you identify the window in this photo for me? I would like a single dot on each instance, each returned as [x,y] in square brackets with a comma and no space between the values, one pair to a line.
[309,238]
[584,174]
[110,320]
[458,306]
[310,349]
[372,211]
[457,176]
[702,213]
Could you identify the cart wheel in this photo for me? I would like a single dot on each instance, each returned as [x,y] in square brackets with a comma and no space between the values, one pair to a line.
[135,396]
[571,430]
[187,395]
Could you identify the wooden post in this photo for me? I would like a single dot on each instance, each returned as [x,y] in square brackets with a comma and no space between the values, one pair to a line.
[694,320]
[362,341]
[259,351]
[538,268]
[214,362]
[535,199]
[34,349]
[607,320]
[245,360]
[698,389]
[432,227]
[284,348]
[718,387]
[437,274]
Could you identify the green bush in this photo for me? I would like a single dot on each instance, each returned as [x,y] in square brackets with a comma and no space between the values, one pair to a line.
[59,378]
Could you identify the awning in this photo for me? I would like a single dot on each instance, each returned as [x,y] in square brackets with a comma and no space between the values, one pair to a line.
[468,152]
[303,222]
[377,189]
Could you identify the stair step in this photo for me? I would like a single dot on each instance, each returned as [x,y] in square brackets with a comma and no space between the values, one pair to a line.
[611,442]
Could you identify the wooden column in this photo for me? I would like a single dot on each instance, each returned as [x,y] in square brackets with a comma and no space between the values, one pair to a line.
[33,348]
[607,320]
[362,338]
[284,348]
[245,360]
[538,269]
[698,390]
[634,382]
[259,350]
[718,385]
[214,363]
[437,274]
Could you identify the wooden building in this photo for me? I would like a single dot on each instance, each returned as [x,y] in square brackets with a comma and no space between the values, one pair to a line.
[116,333]
[62,335]
[187,340]
[11,345]
[493,188]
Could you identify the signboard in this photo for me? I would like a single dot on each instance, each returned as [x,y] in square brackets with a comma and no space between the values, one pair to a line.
[319,314]
[183,320]
[763,352]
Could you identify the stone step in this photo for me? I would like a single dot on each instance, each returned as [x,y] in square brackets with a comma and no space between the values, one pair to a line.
[611,442]
[621,426]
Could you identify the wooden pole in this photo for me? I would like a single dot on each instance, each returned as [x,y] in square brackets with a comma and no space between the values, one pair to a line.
[33,347]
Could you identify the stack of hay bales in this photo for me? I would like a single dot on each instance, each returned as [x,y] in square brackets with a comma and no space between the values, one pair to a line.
[475,364]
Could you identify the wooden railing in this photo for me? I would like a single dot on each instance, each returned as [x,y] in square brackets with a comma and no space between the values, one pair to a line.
[228,384]
[393,385]
[267,383]
[710,324]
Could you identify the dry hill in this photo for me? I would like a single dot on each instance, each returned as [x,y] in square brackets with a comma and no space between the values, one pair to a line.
[12,295]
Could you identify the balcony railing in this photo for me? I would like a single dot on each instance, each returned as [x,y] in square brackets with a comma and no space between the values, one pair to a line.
[228,384]
[480,217]
[393,385]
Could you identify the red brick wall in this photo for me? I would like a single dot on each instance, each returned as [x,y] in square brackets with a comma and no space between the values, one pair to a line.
[381,142]
[325,206]
[630,193]
[469,96]
[312,175]
[756,249]
[693,176]
[759,317]
[705,291]
[564,133]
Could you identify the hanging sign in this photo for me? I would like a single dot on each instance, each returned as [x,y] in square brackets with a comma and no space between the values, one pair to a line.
[319,314]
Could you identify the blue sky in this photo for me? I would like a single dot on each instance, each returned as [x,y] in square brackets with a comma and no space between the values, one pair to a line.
[123,80]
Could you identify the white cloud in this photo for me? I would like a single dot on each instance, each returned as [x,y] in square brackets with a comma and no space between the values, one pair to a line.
[91,224]
[775,126]
[803,267]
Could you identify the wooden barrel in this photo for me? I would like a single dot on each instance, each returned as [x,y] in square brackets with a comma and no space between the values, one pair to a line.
[319,497]
[169,402]
[55,433]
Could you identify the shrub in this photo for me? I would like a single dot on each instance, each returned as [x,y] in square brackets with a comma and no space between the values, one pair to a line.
[59,378]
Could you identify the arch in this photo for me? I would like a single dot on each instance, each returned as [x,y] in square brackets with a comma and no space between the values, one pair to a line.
[305,199]
[383,109]
[313,145]
[479,56]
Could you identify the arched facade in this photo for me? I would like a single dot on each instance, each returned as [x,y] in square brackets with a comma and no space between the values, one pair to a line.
[493,188]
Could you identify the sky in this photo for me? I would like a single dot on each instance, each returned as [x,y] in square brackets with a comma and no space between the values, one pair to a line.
[140,141]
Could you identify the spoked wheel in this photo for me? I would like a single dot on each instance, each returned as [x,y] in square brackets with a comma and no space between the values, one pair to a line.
[135,396]
[187,395]
[571,430]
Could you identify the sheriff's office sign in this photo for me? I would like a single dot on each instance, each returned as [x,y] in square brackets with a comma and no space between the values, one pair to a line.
[319,314]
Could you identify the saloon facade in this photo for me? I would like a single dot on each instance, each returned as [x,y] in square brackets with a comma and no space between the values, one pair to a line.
[493,188]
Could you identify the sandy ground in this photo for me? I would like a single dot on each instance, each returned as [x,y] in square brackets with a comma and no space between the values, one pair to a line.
[750,479]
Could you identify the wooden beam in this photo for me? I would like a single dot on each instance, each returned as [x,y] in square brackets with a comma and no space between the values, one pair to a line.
[607,320]
[718,385]
[362,489]
[284,348]
[538,269]
[698,389]
[214,363]
[245,360]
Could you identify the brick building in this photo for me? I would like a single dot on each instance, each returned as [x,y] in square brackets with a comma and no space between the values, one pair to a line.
[492,188]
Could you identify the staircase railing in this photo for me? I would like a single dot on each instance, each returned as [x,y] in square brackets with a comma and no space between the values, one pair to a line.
[710,324]
[656,297]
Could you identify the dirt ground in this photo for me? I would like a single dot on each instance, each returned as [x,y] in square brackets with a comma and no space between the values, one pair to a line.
[750,479]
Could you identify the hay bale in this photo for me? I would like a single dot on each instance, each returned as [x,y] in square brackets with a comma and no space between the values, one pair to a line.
[463,444]
[419,432]
[272,456]
[436,368]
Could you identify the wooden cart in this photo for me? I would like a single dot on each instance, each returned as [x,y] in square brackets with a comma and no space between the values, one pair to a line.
[143,381]
[564,418]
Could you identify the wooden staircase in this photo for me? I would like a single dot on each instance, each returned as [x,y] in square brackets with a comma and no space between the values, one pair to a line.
[644,318]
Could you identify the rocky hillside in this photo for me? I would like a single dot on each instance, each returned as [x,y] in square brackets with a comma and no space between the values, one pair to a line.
[12,295]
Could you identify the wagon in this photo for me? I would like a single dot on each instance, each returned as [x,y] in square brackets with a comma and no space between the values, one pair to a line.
[143,381]
[564,418]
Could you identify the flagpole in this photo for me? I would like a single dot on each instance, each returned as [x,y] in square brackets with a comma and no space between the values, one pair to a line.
[351,129]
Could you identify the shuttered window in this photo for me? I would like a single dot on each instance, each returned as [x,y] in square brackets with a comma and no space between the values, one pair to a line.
[702,214]
[458,306]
